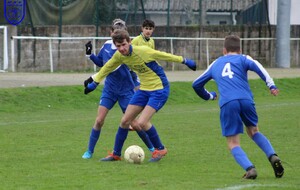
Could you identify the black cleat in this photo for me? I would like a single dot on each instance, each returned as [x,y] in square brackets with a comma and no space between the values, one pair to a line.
[277,166]
[250,174]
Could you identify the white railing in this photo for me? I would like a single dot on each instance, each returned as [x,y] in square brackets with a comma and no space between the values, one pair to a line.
[93,39]
[5,51]
[171,40]
[50,39]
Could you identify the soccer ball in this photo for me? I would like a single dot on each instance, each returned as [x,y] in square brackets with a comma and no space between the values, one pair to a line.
[134,154]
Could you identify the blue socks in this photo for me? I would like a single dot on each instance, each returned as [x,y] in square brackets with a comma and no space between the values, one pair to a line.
[143,135]
[263,143]
[153,135]
[119,141]
[94,136]
[241,157]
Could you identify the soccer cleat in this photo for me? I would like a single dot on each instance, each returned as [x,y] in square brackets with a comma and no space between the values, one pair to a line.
[250,174]
[87,155]
[158,154]
[111,157]
[277,166]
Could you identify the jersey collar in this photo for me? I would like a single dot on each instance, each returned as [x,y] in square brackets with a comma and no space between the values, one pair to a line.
[145,38]
[130,50]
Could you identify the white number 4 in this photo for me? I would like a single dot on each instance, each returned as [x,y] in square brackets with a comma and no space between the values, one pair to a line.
[227,71]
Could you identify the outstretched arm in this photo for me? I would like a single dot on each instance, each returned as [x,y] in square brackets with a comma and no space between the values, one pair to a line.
[274,90]
[97,60]
[198,86]
[159,55]
[92,82]
[255,66]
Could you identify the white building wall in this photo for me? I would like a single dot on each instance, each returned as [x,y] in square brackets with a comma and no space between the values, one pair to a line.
[295,13]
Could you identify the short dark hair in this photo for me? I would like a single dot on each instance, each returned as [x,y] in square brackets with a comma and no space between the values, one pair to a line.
[232,43]
[148,23]
[119,35]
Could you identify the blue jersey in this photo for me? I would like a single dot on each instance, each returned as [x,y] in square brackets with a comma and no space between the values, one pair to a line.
[121,79]
[230,74]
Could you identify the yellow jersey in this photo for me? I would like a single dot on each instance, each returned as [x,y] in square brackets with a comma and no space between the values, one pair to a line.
[143,61]
[140,40]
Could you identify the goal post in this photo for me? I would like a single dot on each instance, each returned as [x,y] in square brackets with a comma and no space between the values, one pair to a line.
[4,61]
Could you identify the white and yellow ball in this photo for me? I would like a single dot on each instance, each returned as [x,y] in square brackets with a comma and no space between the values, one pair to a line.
[134,154]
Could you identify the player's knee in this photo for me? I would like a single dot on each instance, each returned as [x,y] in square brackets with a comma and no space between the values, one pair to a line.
[125,122]
[141,124]
[251,131]
[99,122]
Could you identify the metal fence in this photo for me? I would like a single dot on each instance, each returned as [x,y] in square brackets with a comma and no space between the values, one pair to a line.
[40,54]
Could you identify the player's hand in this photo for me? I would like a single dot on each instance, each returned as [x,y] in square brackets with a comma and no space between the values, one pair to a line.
[190,63]
[274,90]
[90,86]
[213,95]
[87,81]
[88,48]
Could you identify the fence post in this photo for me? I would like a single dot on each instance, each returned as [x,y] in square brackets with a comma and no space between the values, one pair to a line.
[5,52]
[207,53]
[12,46]
[94,51]
[172,52]
[50,56]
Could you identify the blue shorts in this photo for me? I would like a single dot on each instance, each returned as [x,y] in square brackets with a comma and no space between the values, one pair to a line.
[108,99]
[234,113]
[156,99]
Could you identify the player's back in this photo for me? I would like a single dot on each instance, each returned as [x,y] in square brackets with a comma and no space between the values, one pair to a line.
[230,74]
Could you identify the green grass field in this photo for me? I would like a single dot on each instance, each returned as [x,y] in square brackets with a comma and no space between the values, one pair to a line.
[44,131]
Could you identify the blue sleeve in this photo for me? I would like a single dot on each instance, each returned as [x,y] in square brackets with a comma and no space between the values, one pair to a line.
[254,65]
[98,60]
[198,84]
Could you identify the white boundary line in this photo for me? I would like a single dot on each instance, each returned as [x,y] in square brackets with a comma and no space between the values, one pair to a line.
[250,186]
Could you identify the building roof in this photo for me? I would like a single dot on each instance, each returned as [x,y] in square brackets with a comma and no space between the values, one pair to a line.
[182,5]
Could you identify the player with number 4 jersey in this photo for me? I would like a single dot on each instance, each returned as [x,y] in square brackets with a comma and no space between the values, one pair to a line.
[230,73]
[237,104]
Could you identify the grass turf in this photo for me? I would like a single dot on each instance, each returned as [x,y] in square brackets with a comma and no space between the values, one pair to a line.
[44,132]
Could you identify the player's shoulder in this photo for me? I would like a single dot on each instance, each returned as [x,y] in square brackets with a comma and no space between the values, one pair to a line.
[248,57]
[151,40]
[140,47]
[109,45]
[108,42]
[136,38]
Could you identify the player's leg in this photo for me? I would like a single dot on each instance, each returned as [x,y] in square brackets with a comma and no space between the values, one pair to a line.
[130,113]
[145,138]
[156,101]
[95,132]
[107,101]
[241,157]
[123,101]
[232,126]
[144,122]
[250,119]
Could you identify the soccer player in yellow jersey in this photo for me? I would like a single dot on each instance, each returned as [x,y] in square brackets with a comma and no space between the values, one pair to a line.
[152,95]
[144,39]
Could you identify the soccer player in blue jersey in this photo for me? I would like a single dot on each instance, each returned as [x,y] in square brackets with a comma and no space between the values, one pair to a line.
[118,87]
[151,96]
[237,104]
